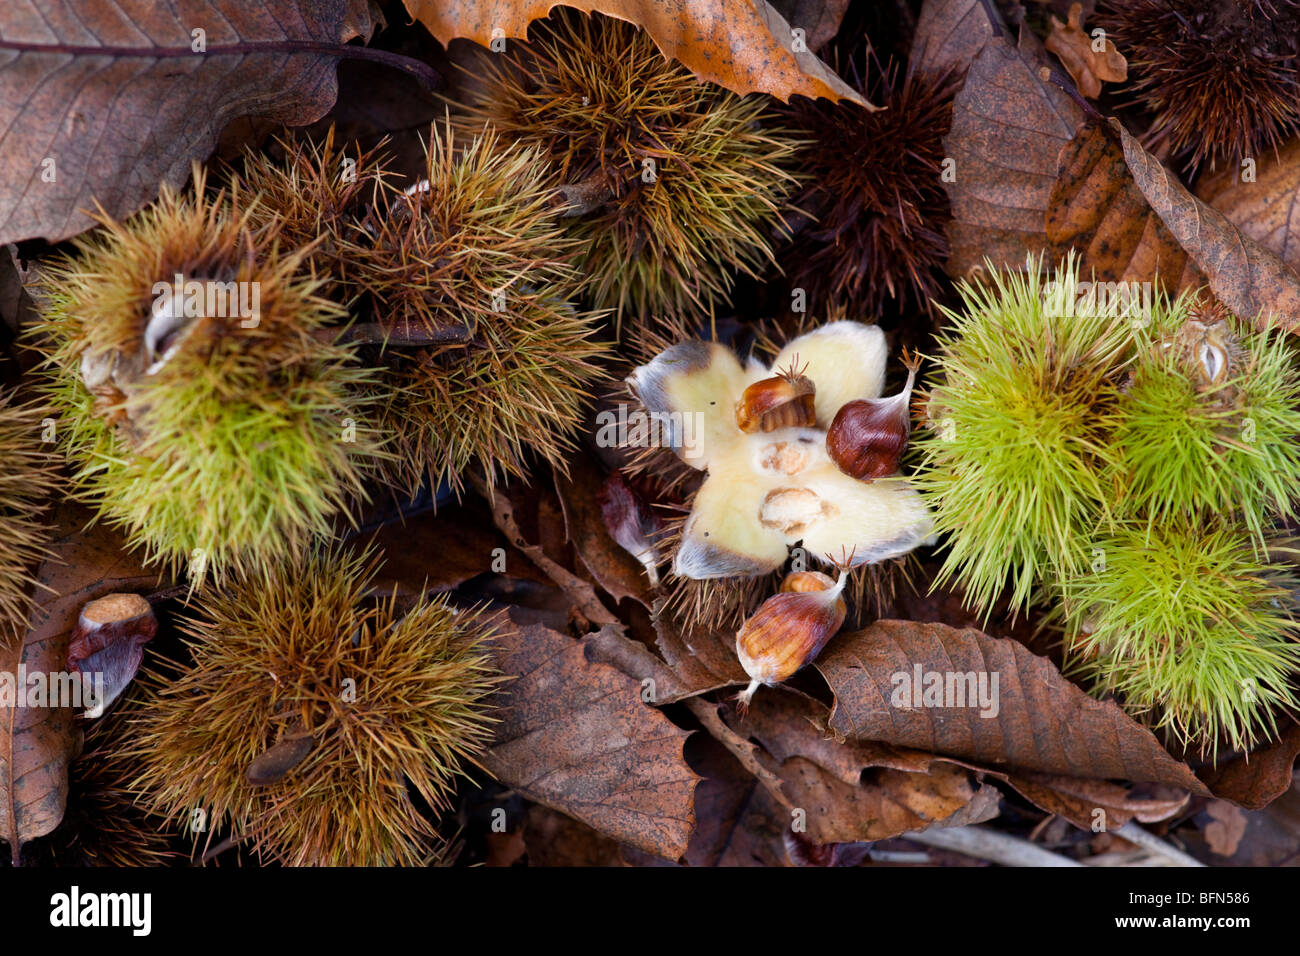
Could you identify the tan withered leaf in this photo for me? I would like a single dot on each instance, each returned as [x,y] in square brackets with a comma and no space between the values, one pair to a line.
[1076,49]
[614,569]
[105,99]
[949,35]
[1008,128]
[576,736]
[1245,276]
[819,19]
[1267,209]
[703,659]
[1256,780]
[852,792]
[1096,804]
[1098,210]
[1043,722]
[743,45]
[37,744]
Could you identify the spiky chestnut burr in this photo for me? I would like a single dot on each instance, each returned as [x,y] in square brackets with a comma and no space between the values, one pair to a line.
[1207,421]
[28,476]
[202,398]
[873,206]
[1021,415]
[1219,75]
[315,714]
[319,196]
[674,183]
[472,275]
[1191,625]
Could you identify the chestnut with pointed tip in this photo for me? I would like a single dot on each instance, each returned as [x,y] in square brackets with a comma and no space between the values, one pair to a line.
[790,629]
[867,438]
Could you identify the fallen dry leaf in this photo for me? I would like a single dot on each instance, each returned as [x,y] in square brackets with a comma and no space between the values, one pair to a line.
[740,822]
[1223,836]
[575,735]
[949,35]
[1254,781]
[1008,129]
[1097,805]
[1271,837]
[704,659]
[1098,210]
[1245,276]
[819,19]
[846,792]
[1043,723]
[1088,66]
[37,743]
[614,569]
[104,100]
[743,45]
[1266,209]
[439,551]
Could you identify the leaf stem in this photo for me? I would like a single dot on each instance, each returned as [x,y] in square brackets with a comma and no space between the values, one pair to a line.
[409,65]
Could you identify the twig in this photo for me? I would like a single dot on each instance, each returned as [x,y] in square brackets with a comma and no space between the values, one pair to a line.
[984,843]
[741,749]
[582,594]
[1148,841]
[233,840]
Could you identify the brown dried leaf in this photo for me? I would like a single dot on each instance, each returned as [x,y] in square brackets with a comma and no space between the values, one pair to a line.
[703,660]
[613,568]
[949,35]
[439,551]
[1267,209]
[1098,210]
[575,735]
[1088,67]
[851,792]
[1008,129]
[36,744]
[1244,275]
[819,19]
[104,100]
[740,823]
[1223,836]
[1256,780]
[1095,804]
[743,45]
[1043,722]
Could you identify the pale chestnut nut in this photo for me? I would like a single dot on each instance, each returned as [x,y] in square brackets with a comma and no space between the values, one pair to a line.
[867,437]
[782,401]
[790,629]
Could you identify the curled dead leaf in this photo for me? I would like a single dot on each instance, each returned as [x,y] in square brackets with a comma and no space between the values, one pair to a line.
[743,45]
[1079,54]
